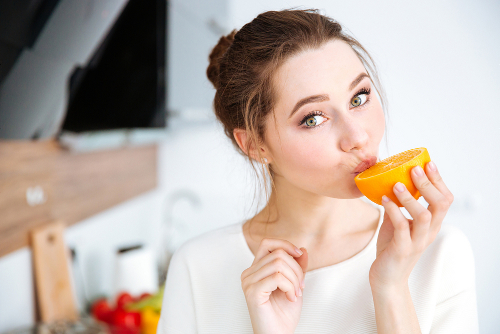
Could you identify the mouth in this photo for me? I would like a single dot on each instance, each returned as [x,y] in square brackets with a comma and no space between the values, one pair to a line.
[365,164]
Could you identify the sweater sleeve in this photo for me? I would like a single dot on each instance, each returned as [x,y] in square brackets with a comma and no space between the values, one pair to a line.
[178,311]
[456,308]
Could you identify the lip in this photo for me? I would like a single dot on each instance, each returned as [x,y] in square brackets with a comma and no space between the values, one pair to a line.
[365,164]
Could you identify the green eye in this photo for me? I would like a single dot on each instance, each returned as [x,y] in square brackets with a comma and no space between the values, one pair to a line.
[311,121]
[356,101]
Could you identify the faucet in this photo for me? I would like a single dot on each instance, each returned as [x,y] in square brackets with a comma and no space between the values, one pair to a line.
[171,223]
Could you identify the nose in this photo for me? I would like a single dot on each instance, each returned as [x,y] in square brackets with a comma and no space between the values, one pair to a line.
[353,134]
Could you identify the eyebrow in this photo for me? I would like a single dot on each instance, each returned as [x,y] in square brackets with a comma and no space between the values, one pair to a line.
[324,97]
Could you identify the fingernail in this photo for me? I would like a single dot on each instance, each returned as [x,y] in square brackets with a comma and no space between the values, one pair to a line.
[400,187]
[385,199]
[298,251]
[294,298]
[419,171]
[300,292]
[432,166]
[302,285]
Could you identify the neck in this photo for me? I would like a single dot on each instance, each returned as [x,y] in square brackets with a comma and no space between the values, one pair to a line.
[295,214]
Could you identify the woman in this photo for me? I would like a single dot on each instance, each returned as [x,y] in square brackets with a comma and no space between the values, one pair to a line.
[294,93]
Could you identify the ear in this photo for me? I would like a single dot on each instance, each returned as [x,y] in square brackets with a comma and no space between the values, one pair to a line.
[242,139]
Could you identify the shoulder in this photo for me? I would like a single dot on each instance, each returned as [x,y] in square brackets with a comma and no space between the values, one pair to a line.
[456,251]
[212,260]
[449,261]
[452,243]
[209,244]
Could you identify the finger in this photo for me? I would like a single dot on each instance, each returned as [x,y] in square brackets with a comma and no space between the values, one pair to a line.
[401,227]
[303,262]
[438,203]
[437,181]
[268,245]
[439,208]
[424,185]
[273,282]
[278,254]
[278,265]
[421,216]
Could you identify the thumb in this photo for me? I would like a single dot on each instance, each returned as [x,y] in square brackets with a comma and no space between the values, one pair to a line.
[303,260]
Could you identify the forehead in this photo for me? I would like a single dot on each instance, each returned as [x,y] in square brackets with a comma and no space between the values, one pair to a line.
[326,70]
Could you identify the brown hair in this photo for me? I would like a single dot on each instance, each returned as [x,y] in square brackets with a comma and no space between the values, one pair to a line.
[243,63]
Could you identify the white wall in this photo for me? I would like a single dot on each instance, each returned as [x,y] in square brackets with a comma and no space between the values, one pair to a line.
[439,62]
[194,27]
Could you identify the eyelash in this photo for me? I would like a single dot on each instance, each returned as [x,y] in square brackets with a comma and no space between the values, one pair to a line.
[320,113]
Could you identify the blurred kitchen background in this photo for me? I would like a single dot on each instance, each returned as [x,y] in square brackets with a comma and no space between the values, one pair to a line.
[439,62]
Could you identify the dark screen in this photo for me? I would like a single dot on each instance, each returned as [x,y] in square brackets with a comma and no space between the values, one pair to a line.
[123,85]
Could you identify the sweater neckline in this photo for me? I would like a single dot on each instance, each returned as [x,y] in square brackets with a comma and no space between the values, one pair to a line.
[366,250]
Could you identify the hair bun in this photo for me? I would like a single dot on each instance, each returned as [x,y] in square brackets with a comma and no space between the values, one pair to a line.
[217,52]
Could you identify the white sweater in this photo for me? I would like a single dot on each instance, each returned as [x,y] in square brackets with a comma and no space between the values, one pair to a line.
[203,291]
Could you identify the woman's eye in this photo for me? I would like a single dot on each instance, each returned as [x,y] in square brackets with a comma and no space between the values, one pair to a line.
[357,100]
[314,120]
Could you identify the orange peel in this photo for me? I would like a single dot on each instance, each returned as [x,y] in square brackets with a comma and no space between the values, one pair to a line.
[379,179]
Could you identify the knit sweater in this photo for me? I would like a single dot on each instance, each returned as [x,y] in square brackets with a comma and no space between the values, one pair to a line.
[203,292]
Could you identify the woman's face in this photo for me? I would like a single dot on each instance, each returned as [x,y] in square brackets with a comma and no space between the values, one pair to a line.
[316,146]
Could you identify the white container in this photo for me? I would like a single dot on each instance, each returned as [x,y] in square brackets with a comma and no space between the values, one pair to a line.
[135,271]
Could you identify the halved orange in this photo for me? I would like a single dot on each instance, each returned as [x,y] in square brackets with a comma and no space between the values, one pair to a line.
[380,178]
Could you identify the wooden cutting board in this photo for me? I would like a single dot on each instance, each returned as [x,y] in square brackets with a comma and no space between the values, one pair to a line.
[53,284]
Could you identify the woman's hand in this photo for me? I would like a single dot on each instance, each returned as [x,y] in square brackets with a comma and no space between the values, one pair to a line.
[401,241]
[273,287]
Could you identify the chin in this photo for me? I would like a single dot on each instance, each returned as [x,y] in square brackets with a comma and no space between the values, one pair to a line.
[348,192]
[355,190]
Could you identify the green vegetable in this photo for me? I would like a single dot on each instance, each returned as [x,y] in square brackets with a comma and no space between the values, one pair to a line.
[153,301]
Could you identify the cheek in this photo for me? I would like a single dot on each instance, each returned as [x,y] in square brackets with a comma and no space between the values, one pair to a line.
[378,124]
[308,159]
[314,166]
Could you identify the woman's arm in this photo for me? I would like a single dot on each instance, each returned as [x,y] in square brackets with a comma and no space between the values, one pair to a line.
[456,308]
[400,244]
[394,311]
